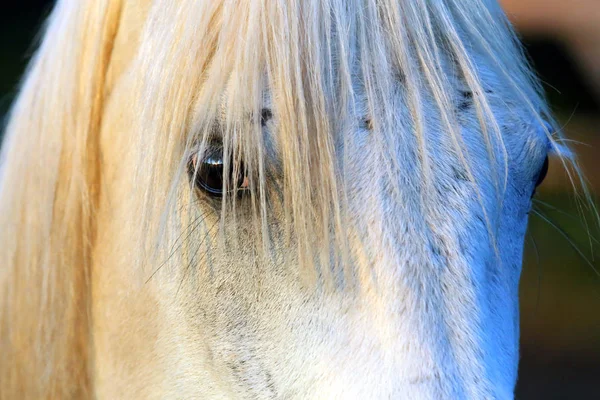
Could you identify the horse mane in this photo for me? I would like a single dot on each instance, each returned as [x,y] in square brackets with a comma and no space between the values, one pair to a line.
[307,52]
[48,186]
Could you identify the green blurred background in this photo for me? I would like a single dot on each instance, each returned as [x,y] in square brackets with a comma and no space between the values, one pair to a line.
[560,292]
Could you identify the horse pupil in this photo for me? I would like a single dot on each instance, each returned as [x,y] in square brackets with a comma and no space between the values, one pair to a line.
[209,176]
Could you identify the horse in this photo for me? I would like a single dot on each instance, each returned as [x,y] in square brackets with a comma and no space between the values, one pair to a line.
[251,199]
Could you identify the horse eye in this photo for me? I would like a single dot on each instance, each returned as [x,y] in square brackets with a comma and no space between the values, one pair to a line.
[209,175]
[542,174]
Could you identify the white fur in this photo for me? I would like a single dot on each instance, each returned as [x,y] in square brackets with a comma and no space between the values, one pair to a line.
[379,253]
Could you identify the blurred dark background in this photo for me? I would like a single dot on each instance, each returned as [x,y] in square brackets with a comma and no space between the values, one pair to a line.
[560,292]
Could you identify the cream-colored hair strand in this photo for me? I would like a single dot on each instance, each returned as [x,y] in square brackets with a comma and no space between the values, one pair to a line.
[49,185]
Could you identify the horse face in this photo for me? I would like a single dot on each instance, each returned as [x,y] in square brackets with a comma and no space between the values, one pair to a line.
[430,312]
[430,306]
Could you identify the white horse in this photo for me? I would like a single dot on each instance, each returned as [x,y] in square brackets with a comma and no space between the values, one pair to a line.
[253,199]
